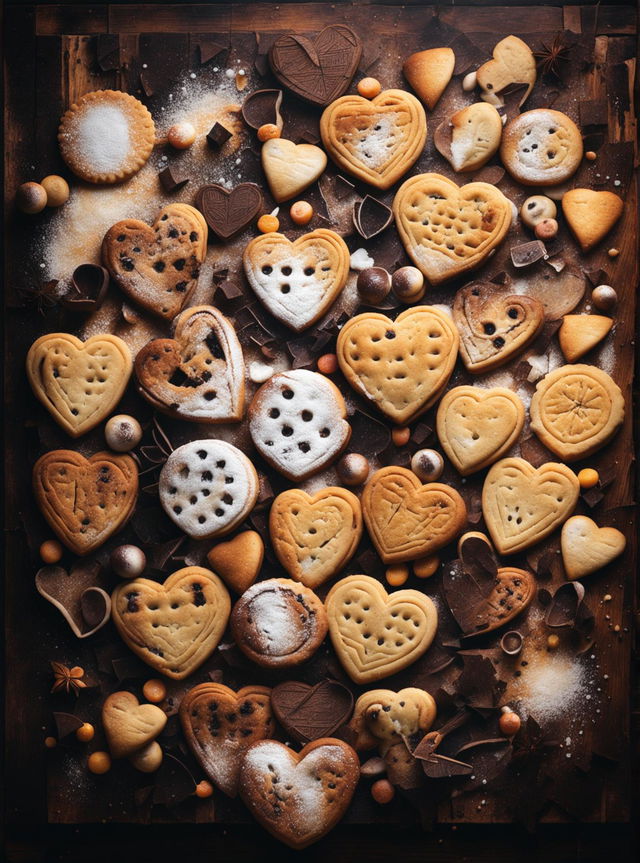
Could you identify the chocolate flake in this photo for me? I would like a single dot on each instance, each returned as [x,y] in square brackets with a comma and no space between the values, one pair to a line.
[371,217]
[209,49]
[526,254]
[217,136]
[594,112]
[89,285]
[171,180]
[262,107]
[66,723]
[108,51]
[174,782]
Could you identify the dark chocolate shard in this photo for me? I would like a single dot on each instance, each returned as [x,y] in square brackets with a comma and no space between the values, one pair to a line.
[526,254]
[146,84]
[262,107]
[371,217]
[564,605]
[171,179]
[217,136]
[488,759]
[307,713]
[66,723]
[174,782]
[593,112]
[108,51]
[89,285]
[209,49]
[440,767]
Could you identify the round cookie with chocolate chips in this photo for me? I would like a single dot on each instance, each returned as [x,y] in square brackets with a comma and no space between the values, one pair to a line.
[541,147]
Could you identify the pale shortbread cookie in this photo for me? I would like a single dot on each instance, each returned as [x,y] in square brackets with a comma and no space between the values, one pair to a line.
[290,168]
[580,333]
[429,72]
[470,137]
[541,147]
[207,487]
[513,63]
[382,717]
[590,214]
[128,725]
[586,548]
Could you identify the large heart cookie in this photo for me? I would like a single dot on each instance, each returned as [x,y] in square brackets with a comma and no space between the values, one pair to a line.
[314,536]
[208,487]
[297,422]
[79,383]
[157,267]
[320,69]
[477,427]
[591,214]
[173,626]
[448,230]
[376,634]
[228,211]
[129,725]
[407,520]
[586,548]
[522,504]
[85,500]
[299,796]
[576,410]
[290,168]
[220,725]
[377,140]
[297,282]
[402,366]
[382,717]
[494,326]
[198,375]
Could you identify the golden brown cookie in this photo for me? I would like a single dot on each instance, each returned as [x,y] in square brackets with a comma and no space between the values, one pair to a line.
[470,137]
[220,725]
[106,136]
[290,168]
[580,333]
[494,325]
[297,281]
[238,561]
[522,504]
[382,717]
[590,214]
[85,500]
[477,427]
[446,229]
[429,72]
[512,63]
[315,535]
[376,634]
[586,548]
[128,725]
[173,626]
[576,410]
[157,266]
[407,520]
[198,375]
[402,366]
[541,147]
[377,140]
[79,383]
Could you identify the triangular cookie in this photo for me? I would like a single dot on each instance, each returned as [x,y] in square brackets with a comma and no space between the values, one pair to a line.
[579,333]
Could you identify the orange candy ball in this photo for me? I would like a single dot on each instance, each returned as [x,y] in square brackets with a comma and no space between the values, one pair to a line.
[51,551]
[510,723]
[327,364]
[383,791]
[204,789]
[369,87]
[50,742]
[588,477]
[400,436]
[85,733]
[397,575]
[268,131]
[268,223]
[154,690]
[301,212]
[426,566]
[99,762]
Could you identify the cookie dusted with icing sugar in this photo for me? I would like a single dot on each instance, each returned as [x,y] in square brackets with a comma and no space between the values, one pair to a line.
[541,147]
[297,421]
[207,487]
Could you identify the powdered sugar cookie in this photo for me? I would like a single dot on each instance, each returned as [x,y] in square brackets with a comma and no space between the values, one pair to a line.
[297,421]
[208,487]
[470,137]
[541,147]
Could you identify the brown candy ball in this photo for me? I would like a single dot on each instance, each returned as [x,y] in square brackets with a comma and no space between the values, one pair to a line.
[408,284]
[128,561]
[99,762]
[154,690]
[509,723]
[51,551]
[383,791]
[353,468]
[85,733]
[427,464]
[122,433]
[604,298]
[374,284]
[400,436]
[31,198]
[57,190]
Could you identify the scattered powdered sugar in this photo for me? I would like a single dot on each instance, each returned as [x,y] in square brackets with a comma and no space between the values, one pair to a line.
[360,260]
[101,138]
[550,685]
[375,145]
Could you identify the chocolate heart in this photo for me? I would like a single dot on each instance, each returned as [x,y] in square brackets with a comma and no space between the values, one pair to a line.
[318,70]
[309,712]
[77,595]
[228,212]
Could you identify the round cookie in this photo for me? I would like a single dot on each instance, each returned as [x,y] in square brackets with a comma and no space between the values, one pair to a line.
[541,147]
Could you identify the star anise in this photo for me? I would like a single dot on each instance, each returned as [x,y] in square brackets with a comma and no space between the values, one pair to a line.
[67,679]
[551,59]
[44,297]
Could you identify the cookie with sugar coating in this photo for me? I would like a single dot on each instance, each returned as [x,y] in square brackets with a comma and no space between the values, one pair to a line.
[470,137]
[541,147]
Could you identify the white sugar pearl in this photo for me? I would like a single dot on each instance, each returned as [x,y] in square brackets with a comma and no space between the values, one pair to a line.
[469,81]
[122,433]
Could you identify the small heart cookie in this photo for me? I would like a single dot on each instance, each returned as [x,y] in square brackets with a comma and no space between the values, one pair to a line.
[297,421]
[447,229]
[220,725]
[541,147]
[157,267]
[576,410]
[198,375]
[207,487]
[407,520]
[173,626]
[494,326]
[590,214]
[85,500]
[297,281]
[290,168]
[238,561]
[377,140]
[299,796]
[477,427]
[470,137]
[382,717]
[129,725]
[228,211]
[580,333]
[402,366]
[79,383]
[429,72]
[376,634]
[522,504]
[513,63]
[586,548]
[314,536]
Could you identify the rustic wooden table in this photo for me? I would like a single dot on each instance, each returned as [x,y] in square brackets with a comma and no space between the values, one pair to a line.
[49,61]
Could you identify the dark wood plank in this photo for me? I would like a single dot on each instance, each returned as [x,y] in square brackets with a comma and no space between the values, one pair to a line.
[71,19]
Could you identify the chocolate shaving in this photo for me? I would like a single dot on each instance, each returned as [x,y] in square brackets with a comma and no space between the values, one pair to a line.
[371,217]
[217,136]
[158,554]
[526,254]
[421,432]
[592,497]
[597,277]
[209,49]
[129,314]
[373,436]
[146,84]
[558,263]
[174,783]
[108,52]
[488,759]
[491,174]
[172,180]
[66,724]
[89,285]
[129,668]
[477,686]
[567,608]
[262,107]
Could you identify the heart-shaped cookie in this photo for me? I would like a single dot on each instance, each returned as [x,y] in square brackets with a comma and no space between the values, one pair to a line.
[299,796]
[220,725]
[402,366]
[129,725]
[512,63]
[157,267]
[382,717]
[586,548]
[314,536]
[78,595]
[494,325]
[238,560]
[173,626]
[228,211]
[407,520]
[309,712]
[377,140]
[591,214]
[198,375]
[290,168]
[79,383]
[376,634]
[85,500]
[320,69]
[297,422]
[297,281]
[477,427]
[522,504]
[447,229]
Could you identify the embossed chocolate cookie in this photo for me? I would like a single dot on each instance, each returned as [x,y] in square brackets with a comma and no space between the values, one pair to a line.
[173,626]
[228,211]
[128,725]
[198,375]
[306,712]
